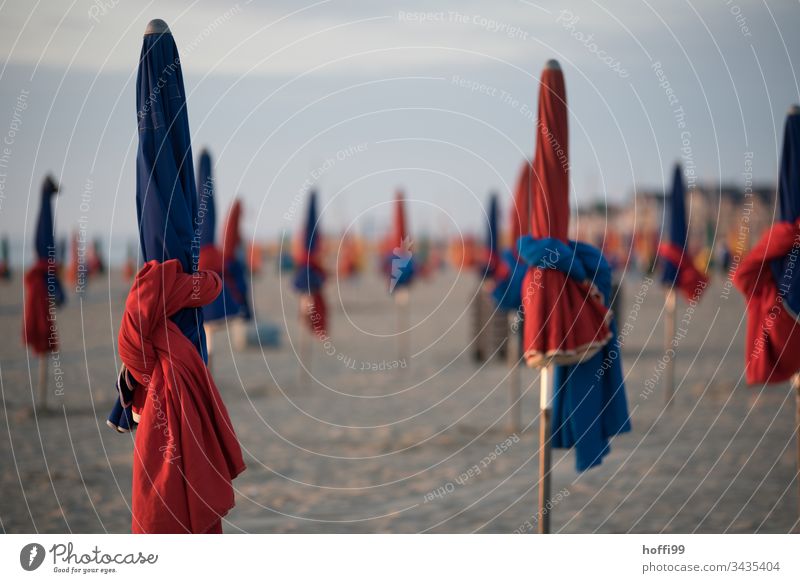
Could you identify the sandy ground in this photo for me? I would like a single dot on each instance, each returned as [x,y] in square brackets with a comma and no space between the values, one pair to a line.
[352,450]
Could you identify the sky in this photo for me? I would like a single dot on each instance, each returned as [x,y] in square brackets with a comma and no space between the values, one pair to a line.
[360,98]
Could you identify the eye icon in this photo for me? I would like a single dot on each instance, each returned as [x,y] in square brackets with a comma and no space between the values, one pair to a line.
[31,556]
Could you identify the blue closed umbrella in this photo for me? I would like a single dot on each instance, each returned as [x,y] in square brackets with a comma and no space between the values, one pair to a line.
[210,256]
[45,239]
[206,213]
[678,230]
[166,194]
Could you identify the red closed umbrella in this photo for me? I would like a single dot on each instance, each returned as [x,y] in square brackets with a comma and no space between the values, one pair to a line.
[565,321]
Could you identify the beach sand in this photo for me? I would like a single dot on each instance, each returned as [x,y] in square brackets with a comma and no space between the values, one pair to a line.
[348,447]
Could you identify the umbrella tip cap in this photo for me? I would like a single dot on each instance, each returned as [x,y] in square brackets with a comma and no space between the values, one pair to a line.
[552,64]
[156,26]
[794,109]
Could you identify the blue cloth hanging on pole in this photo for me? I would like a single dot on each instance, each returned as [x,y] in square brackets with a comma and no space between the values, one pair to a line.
[589,403]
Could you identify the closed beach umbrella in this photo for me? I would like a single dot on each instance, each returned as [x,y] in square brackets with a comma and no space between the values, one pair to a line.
[42,287]
[566,295]
[43,291]
[210,255]
[564,321]
[185,452]
[310,276]
[770,280]
[491,257]
[507,292]
[235,273]
[679,270]
[401,262]
[679,273]
[483,310]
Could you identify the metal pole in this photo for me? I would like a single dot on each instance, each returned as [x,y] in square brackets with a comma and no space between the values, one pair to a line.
[512,355]
[545,422]
[669,334]
[42,405]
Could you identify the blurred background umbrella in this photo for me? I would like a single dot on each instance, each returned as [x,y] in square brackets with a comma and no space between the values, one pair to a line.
[43,290]
[308,281]
[507,291]
[210,255]
[679,272]
[235,274]
[402,269]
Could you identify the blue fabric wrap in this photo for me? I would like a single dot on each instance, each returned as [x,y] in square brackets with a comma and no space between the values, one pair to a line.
[166,193]
[507,293]
[678,230]
[589,403]
[402,270]
[787,276]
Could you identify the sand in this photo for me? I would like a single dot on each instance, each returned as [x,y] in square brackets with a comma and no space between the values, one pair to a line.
[365,441]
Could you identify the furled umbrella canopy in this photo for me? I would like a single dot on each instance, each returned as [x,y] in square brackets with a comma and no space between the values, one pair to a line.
[768,277]
[507,292]
[490,255]
[679,269]
[565,321]
[310,276]
[400,261]
[185,453]
[43,289]
[211,259]
[567,294]
[235,273]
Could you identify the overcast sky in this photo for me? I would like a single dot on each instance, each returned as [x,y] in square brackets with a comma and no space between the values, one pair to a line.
[360,97]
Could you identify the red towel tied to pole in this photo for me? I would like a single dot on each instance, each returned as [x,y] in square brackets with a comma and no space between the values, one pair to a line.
[773,334]
[691,281]
[36,326]
[565,321]
[186,453]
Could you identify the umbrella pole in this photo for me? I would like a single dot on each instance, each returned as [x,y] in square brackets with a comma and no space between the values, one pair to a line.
[209,343]
[512,355]
[42,405]
[545,423]
[401,301]
[669,334]
[304,370]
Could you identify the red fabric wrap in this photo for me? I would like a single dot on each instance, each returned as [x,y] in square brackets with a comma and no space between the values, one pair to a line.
[773,335]
[317,315]
[36,325]
[691,281]
[564,322]
[186,453]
